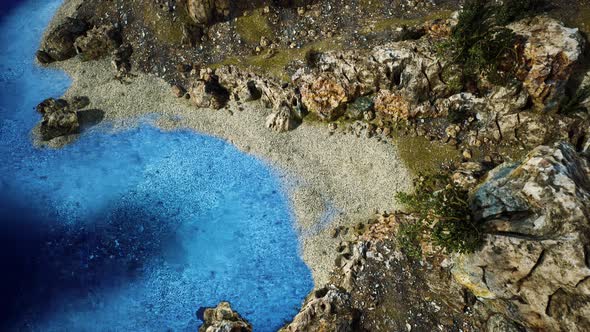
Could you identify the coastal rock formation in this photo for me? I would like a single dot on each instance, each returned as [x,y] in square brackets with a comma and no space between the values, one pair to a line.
[550,53]
[533,266]
[327,309]
[59,119]
[223,319]
[59,43]
[98,42]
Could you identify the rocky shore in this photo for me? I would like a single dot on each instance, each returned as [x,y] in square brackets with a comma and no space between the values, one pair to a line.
[502,246]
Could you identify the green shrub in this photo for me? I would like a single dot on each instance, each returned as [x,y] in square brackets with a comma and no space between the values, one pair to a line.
[481,46]
[514,10]
[443,217]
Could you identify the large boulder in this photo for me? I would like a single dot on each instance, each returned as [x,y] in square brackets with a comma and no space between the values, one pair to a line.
[58,45]
[223,319]
[533,266]
[550,53]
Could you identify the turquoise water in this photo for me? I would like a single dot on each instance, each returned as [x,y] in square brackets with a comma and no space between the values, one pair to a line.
[132,231]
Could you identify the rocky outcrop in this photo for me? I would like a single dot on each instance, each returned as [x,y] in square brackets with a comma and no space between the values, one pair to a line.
[533,266]
[550,53]
[405,74]
[59,43]
[207,92]
[215,88]
[206,12]
[223,319]
[327,309]
[98,42]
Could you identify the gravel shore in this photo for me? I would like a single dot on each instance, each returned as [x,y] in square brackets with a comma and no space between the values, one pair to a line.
[331,180]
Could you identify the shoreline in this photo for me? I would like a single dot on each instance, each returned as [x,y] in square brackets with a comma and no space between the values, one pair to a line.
[329,180]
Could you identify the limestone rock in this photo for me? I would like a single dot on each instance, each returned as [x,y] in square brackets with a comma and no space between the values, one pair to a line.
[327,309]
[207,92]
[59,43]
[533,264]
[281,120]
[324,96]
[98,42]
[223,319]
[550,53]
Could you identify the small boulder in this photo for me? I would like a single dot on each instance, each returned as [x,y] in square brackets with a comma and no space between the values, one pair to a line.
[59,119]
[223,319]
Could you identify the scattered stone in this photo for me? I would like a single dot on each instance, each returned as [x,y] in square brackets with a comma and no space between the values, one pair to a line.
[178,91]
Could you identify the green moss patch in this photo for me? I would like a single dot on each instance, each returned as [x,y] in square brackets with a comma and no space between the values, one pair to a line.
[275,65]
[392,23]
[162,25]
[253,27]
[422,156]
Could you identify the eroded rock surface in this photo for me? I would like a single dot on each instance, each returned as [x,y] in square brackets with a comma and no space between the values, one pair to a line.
[533,267]
[223,319]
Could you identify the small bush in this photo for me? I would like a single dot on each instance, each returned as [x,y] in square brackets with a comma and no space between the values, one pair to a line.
[443,217]
[481,46]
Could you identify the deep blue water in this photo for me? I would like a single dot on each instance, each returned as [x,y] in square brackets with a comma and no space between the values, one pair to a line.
[132,231]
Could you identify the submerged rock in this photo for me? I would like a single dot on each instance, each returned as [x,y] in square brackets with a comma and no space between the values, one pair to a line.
[533,266]
[223,319]
[59,43]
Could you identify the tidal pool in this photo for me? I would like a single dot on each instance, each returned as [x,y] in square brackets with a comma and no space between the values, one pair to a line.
[131,231]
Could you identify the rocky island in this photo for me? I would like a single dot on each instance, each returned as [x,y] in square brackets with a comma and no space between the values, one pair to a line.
[436,153]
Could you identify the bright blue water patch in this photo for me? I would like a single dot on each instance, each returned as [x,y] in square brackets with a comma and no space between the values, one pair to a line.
[133,231]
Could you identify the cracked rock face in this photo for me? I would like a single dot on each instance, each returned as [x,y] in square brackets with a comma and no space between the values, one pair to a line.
[533,266]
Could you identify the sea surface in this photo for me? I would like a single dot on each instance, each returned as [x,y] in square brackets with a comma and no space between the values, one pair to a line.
[134,230]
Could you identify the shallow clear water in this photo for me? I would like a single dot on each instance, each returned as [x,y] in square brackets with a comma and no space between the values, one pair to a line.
[133,231]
